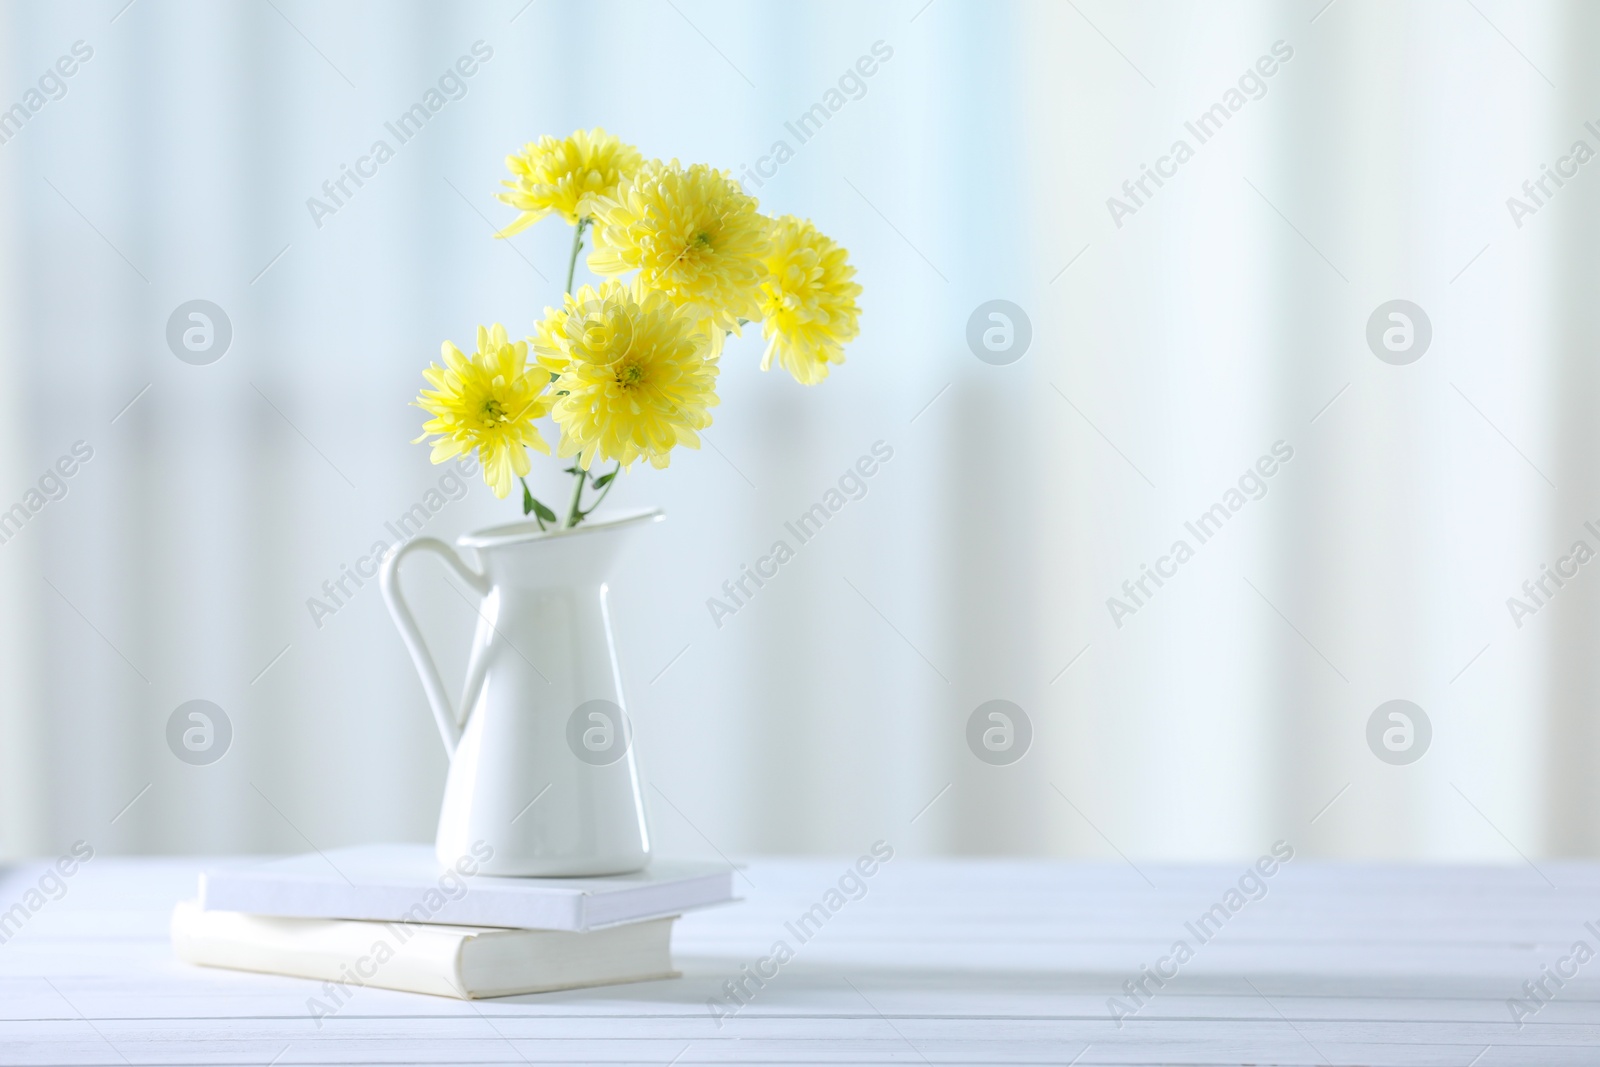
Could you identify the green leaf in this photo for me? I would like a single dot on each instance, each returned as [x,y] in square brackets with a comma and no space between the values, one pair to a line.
[601,482]
[543,512]
[528,503]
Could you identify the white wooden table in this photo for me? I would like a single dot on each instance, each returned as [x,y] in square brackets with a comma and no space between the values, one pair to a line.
[941,962]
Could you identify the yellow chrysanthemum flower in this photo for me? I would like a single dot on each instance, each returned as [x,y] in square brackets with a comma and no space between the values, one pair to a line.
[808,305]
[563,175]
[634,375]
[693,235]
[488,402]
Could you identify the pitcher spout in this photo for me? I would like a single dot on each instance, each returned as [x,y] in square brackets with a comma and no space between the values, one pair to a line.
[522,554]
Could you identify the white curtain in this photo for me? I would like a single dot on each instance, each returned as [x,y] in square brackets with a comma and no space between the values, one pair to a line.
[1173,346]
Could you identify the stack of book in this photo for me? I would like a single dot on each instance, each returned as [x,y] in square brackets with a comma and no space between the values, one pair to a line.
[391,916]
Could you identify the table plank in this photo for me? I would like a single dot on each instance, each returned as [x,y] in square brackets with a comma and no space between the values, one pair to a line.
[943,962]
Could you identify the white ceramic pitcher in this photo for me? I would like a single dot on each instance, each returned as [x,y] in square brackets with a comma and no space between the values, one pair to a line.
[542,766]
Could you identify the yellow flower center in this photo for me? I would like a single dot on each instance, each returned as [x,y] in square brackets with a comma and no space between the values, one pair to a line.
[696,251]
[493,410]
[632,374]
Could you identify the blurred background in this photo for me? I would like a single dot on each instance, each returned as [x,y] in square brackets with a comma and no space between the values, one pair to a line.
[1176,332]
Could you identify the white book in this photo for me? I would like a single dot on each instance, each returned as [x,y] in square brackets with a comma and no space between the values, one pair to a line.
[391,883]
[450,961]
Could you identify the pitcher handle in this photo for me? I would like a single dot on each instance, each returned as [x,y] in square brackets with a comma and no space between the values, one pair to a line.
[432,683]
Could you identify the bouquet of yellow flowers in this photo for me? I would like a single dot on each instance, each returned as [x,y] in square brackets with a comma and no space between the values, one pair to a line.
[628,371]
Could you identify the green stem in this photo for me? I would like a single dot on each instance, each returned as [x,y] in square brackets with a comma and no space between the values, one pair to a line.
[602,497]
[574,515]
[577,246]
